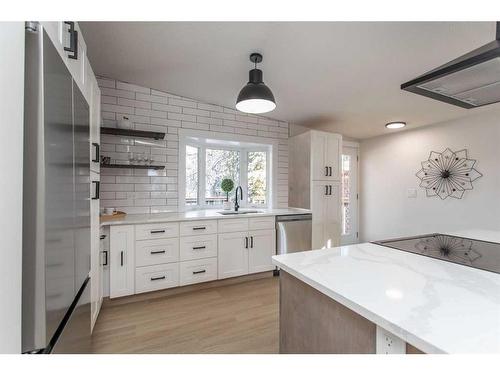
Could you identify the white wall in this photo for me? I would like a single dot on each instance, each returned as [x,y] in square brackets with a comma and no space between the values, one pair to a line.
[11,162]
[146,191]
[388,166]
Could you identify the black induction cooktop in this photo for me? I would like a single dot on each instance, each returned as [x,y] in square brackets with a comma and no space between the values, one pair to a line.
[483,255]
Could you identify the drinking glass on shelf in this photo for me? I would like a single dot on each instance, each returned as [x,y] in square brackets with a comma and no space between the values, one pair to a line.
[131,157]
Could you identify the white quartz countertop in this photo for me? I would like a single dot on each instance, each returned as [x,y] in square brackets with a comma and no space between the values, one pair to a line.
[201,215]
[436,306]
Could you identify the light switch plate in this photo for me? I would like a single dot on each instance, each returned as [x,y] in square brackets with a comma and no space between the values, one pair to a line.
[411,193]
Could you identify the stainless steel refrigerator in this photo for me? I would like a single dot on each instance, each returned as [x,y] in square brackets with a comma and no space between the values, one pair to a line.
[56,205]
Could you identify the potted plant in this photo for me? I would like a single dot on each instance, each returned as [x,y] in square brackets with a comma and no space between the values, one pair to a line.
[227,185]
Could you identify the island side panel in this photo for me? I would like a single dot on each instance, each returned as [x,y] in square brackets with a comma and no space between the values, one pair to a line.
[311,322]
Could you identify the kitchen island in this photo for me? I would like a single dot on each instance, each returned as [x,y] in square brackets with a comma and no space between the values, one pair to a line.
[338,300]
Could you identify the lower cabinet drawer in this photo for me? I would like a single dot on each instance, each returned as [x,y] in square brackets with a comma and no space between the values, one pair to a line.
[156,277]
[266,222]
[159,230]
[198,271]
[151,252]
[198,247]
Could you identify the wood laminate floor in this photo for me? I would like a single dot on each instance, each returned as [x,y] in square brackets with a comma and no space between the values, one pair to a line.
[239,318]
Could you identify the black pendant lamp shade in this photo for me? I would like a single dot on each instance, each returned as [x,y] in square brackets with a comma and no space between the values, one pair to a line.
[255,97]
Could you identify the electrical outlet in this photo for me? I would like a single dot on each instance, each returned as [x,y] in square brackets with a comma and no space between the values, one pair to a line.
[387,343]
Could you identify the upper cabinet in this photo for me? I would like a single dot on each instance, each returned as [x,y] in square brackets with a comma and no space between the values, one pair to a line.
[325,156]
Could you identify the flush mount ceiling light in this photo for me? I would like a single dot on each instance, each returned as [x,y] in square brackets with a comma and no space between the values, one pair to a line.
[395,125]
[255,97]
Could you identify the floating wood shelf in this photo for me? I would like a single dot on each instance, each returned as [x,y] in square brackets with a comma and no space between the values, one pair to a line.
[133,166]
[133,133]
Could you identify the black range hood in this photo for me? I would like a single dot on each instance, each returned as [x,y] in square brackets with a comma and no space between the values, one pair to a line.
[470,81]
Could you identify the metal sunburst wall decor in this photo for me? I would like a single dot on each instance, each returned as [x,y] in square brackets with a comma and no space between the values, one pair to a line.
[447,174]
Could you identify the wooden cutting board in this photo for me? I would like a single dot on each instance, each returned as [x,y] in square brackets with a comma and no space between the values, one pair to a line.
[118,215]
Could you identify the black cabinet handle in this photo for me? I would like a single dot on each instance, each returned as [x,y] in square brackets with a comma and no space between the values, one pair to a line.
[326,189]
[326,171]
[199,247]
[251,242]
[97,189]
[330,189]
[246,242]
[157,231]
[73,41]
[105,253]
[330,171]
[96,146]
[199,228]
[158,252]
[121,258]
[197,272]
[158,278]
[103,236]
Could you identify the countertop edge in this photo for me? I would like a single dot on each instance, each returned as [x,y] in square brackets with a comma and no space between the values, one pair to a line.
[367,314]
[133,219]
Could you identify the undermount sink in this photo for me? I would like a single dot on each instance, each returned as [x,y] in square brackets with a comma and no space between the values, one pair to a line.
[240,212]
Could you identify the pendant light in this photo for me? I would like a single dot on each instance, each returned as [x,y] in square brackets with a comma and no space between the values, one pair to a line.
[255,97]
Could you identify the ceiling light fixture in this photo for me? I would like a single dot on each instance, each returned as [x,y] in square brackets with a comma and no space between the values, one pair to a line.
[395,125]
[255,97]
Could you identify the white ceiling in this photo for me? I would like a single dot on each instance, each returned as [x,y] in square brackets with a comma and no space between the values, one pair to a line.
[340,76]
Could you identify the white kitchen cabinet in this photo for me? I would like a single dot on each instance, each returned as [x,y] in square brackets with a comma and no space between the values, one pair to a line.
[233,254]
[260,250]
[198,271]
[158,251]
[198,227]
[96,274]
[241,253]
[158,230]
[122,261]
[156,277]
[198,247]
[325,155]
[326,221]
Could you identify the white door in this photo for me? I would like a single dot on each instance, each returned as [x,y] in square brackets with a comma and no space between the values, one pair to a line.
[332,156]
[262,247]
[233,254]
[122,264]
[349,194]
[319,192]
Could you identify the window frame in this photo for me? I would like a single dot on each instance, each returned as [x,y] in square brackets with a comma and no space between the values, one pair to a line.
[202,141]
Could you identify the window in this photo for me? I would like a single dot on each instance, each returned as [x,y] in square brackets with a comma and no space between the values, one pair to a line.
[220,164]
[208,162]
[192,181]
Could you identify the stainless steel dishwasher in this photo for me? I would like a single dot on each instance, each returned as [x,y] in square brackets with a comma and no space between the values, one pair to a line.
[293,233]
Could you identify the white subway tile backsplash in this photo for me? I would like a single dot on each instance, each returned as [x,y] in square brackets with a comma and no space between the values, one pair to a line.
[154,191]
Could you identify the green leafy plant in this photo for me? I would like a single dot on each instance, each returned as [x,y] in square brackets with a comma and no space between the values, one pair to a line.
[227,185]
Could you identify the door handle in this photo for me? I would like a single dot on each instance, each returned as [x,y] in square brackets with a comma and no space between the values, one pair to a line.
[251,242]
[246,242]
[326,189]
[97,189]
[199,247]
[73,41]
[330,168]
[326,171]
[197,272]
[121,258]
[330,189]
[158,278]
[96,146]
[158,252]
[105,253]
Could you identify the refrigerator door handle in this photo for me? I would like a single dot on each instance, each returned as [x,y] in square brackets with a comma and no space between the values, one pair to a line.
[97,189]
[97,152]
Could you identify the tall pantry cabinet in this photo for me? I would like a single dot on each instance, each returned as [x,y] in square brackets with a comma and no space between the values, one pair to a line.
[314,175]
